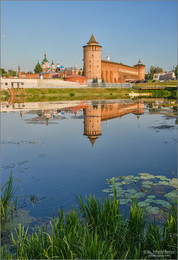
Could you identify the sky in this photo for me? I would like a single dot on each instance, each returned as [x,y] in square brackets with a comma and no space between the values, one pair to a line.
[129,30]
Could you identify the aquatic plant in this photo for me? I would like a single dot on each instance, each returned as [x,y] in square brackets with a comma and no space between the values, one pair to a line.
[97,231]
[155,193]
[7,193]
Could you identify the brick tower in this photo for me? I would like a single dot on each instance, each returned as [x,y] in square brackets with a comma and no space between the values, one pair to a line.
[92,122]
[141,70]
[92,59]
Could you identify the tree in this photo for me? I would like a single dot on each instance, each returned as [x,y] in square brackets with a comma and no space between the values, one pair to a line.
[38,68]
[103,80]
[153,70]
[12,73]
[3,72]
[176,72]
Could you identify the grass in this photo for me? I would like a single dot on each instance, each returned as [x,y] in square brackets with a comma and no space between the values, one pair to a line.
[7,209]
[30,95]
[150,83]
[97,230]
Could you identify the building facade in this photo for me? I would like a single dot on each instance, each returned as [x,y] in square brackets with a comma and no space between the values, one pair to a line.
[110,72]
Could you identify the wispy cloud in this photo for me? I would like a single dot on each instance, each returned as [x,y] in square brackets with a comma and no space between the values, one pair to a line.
[3,36]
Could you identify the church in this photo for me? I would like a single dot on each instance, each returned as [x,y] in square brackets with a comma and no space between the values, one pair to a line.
[109,71]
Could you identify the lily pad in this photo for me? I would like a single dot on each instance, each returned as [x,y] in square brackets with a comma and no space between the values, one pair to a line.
[108,190]
[146,186]
[163,203]
[151,197]
[132,191]
[139,195]
[172,196]
[147,182]
[143,204]
[174,183]
[148,177]
[143,174]
[124,201]
[153,210]
[163,178]
[149,200]
[162,183]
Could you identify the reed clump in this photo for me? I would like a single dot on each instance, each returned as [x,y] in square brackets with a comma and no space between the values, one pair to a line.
[97,231]
[7,208]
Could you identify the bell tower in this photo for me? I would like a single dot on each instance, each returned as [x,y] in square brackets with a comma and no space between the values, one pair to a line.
[92,59]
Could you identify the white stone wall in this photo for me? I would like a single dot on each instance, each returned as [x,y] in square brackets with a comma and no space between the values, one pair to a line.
[38,83]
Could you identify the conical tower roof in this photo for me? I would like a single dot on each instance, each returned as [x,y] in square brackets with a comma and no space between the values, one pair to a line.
[92,40]
[92,139]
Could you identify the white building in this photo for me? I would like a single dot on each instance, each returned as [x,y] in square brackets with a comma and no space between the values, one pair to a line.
[164,76]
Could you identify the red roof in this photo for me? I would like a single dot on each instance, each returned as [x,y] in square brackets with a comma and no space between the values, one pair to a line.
[74,76]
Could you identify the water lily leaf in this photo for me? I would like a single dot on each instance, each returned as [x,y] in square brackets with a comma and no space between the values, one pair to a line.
[107,190]
[174,183]
[163,178]
[163,203]
[139,195]
[146,186]
[149,200]
[124,201]
[172,196]
[143,204]
[132,191]
[143,174]
[162,183]
[153,210]
[151,197]
[147,177]
[147,182]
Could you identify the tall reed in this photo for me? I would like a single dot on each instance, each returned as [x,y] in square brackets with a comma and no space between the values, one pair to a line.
[97,231]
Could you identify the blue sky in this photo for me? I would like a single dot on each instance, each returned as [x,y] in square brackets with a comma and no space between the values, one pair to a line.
[128,29]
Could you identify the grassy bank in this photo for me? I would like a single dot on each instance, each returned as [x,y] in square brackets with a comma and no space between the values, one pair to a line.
[97,231]
[28,95]
[172,83]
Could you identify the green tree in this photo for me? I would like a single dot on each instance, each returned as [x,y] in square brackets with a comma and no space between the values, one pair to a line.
[103,80]
[176,72]
[38,68]
[153,70]
[3,72]
[12,73]
[79,72]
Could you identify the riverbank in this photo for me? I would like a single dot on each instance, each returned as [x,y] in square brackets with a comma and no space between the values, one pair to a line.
[63,94]
[28,95]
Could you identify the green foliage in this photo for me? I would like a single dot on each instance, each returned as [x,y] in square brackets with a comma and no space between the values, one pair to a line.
[7,193]
[3,72]
[176,71]
[98,231]
[38,68]
[103,81]
[153,70]
[95,80]
[12,73]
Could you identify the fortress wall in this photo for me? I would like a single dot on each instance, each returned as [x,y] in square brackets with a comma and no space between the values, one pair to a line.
[115,72]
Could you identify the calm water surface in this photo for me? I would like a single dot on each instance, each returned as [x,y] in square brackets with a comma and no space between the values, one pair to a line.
[57,150]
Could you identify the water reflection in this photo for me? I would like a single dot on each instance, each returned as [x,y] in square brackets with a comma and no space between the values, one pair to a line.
[46,145]
[93,114]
